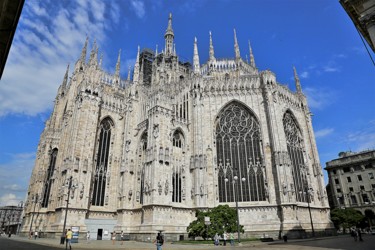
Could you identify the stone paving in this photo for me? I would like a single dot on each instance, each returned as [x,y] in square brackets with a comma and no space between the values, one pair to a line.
[339,242]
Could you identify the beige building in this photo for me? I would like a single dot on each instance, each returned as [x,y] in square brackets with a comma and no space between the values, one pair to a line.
[144,153]
[362,13]
[10,219]
[352,180]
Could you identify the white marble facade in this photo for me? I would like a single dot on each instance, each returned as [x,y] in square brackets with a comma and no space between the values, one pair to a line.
[146,152]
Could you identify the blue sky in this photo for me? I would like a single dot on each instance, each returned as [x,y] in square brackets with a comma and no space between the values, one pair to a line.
[317,37]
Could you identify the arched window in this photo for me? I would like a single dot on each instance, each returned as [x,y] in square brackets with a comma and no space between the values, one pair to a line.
[178,139]
[295,147]
[142,154]
[49,180]
[102,157]
[176,183]
[238,149]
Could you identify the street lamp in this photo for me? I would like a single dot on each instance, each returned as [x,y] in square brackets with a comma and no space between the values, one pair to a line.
[308,194]
[235,190]
[70,186]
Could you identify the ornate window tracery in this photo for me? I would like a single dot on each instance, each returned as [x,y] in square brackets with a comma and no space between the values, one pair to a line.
[102,175]
[295,147]
[178,139]
[238,148]
[49,180]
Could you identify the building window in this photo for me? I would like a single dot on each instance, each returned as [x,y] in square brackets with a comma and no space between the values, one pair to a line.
[349,179]
[359,177]
[238,149]
[176,183]
[338,190]
[334,171]
[353,200]
[373,186]
[337,181]
[295,148]
[362,187]
[49,180]
[102,157]
[365,198]
[351,189]
[346,170]
[371,175]
[178,139]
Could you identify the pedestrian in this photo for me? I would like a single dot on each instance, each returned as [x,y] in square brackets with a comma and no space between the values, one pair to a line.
[9,234]
[354,234]
[88,237]
[231,237]
[35,235]
[69,236]
[216,239]
[122,237]
[359,234]
[113,238]
[159,241]
[225,237]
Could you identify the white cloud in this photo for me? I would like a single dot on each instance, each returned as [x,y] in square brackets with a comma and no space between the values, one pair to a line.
[14,177]
[304,74]
[9,199]
[362,139]
[319,98]
[43,46]
[323,132]
[139,8]
[331,69]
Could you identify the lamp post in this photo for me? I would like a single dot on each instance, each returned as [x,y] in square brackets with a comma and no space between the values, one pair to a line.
[69,186]
[235,190]
[308,194]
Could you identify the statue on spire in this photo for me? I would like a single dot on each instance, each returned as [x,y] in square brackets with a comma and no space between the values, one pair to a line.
[236,47]
[297,81]
[196,58]
[169,37]
[252,60]
[212,53]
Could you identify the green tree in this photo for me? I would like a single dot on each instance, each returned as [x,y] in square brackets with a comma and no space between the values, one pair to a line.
[222,218]
[346,218]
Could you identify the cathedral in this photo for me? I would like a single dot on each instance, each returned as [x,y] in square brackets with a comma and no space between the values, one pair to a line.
[143,154]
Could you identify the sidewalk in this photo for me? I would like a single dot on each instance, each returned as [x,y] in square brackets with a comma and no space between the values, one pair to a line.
[133,245]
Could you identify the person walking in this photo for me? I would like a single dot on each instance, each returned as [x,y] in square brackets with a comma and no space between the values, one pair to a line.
[225,237]
[113,238]
[159,241]
[69,236]
[122,237]
[35,235]
[216,239]
[88,237]
[231,237]
[359,234]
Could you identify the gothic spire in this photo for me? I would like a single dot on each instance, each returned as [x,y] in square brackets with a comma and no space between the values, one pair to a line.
[169,37]
[101,60]
[252,60]
[84,51]
[117,73]
[93,61]
[156,51]
[129,73]
[196,57]
[296,79]
[236,47]
[212,53]
[65,81]
[136,69]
